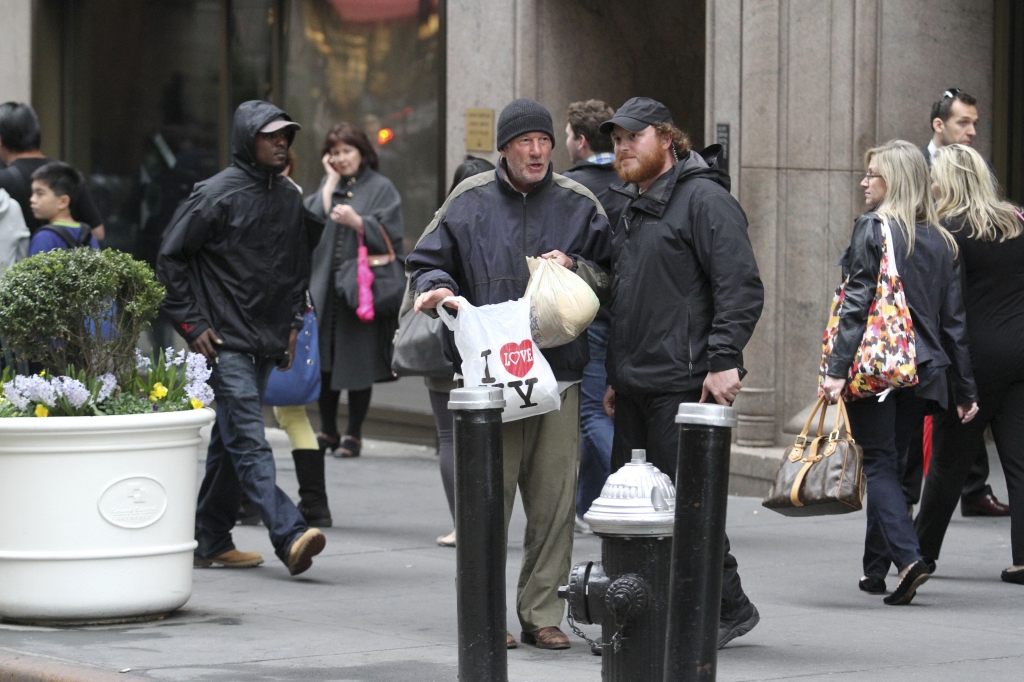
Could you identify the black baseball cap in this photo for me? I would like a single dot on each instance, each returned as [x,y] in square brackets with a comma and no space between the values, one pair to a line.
[637,114]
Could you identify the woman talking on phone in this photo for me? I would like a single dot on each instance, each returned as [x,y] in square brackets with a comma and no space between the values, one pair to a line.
[358,203]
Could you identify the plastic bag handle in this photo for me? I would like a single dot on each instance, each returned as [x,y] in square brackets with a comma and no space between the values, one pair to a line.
[445,316]
[534,278]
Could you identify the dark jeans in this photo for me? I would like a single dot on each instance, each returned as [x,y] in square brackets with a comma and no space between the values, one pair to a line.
[648,421]
[1001,405]
[884,430]
[596,428]
[240,460]
[445,444]
[913,471]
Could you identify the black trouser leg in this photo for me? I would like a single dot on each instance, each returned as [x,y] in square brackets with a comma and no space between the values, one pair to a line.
[1008,431]
[977,485]
[913,467]
[648,421]
[954,453]
[328,404]
[445,444]
[358,407]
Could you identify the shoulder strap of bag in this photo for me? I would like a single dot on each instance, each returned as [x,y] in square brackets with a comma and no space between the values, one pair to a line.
[376,260]
[62,232]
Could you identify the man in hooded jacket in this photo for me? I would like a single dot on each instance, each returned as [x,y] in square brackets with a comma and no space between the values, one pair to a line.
[686,295]
[235,261]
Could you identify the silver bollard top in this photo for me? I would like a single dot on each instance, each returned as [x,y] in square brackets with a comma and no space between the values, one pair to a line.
[706,414]
[638,500]
[478,398]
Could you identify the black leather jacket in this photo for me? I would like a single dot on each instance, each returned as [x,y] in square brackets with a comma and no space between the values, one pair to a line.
[931,282]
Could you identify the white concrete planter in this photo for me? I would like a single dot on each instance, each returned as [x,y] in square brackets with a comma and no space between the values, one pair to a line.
[97,515]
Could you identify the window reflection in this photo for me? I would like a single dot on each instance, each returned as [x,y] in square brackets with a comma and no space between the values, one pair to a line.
[373,63]
[153,85]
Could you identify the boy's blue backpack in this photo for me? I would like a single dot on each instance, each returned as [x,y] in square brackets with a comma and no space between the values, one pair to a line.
[84,239]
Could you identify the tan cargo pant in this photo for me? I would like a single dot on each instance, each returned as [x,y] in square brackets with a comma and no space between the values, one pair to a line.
[540,455]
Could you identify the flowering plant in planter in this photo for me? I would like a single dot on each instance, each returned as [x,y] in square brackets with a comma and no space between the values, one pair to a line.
[80,312]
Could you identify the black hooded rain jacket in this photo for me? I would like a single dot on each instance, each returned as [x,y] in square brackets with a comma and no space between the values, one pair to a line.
[686,292]
[236,255]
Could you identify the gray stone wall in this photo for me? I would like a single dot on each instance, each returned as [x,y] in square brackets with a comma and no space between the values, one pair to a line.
[560,51]
[808,86]
[16,51]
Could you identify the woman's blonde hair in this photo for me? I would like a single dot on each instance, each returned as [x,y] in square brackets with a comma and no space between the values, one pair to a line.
[967,190]
[908,196]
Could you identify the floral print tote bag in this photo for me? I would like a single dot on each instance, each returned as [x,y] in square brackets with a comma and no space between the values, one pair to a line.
[886,357]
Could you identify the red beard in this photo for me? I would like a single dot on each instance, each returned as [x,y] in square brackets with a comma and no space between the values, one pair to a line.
[649,167]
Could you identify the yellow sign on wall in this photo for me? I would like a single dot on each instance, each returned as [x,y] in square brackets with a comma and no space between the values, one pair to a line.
[479,130]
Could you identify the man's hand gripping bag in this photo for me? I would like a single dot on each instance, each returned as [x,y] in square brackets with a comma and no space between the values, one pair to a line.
[497,350]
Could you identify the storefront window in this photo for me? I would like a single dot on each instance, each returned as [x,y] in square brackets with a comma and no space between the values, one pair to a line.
[150,89]
[374,63]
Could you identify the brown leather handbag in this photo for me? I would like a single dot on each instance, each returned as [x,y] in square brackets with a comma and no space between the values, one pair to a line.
[820,476]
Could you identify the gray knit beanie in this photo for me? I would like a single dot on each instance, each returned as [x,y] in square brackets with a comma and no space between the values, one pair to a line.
[523,116]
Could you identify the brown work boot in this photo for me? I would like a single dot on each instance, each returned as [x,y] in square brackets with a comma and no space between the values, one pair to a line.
[307,546]
[230,559]
[510,641]
[546,638]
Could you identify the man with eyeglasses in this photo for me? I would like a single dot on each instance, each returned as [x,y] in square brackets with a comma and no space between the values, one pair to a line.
[954,121]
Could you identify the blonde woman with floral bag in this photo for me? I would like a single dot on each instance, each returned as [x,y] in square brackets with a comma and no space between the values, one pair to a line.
[901,231]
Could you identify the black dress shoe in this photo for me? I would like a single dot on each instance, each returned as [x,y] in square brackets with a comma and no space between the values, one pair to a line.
[1013,576]
[743,623]
[930,563]
[986,505]
[905,591]
[872,585]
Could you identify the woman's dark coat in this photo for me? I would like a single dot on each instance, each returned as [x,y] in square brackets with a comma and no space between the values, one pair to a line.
[357,354]
[931,282]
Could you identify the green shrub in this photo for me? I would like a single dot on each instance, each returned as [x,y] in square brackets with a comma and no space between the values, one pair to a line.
[79,308]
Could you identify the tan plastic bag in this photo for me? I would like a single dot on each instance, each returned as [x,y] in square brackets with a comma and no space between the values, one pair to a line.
[562,305]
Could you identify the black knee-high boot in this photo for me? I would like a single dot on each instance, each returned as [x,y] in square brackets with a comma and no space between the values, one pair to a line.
[309,469]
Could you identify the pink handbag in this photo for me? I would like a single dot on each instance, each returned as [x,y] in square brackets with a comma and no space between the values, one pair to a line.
[364,278]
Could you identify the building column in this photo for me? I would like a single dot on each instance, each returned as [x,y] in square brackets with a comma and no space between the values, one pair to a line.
[16,51]
[818,83]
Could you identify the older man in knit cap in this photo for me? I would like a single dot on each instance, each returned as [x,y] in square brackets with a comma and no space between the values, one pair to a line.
[476,247]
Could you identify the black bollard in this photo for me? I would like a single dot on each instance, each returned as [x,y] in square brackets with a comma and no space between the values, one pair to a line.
[698,543]
[480,534]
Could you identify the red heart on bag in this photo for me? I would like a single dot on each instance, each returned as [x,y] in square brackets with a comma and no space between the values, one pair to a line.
[517,359]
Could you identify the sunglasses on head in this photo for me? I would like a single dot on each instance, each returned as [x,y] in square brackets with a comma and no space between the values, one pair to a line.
[951,93]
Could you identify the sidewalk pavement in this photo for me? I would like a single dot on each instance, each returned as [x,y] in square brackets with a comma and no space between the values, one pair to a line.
[379,603]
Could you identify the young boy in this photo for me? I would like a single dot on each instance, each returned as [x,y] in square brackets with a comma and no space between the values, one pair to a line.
[54,187]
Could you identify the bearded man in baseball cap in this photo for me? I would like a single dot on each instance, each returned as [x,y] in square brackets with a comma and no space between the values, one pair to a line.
[687,295]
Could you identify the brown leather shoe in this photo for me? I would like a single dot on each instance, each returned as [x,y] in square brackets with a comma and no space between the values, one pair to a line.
[230,559]
[546,638]
[309,544]
[984,506]
[510,641]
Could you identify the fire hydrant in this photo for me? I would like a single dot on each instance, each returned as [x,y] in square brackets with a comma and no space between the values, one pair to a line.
[627,592]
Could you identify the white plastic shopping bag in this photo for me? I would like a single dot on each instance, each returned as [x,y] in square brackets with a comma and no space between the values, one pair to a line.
[562,305]
[497,350]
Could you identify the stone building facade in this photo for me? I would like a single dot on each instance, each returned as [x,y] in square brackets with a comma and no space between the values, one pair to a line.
[799,89]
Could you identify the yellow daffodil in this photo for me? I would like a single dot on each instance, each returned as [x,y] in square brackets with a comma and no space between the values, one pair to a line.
[159,391]
[197,404]
[41,411]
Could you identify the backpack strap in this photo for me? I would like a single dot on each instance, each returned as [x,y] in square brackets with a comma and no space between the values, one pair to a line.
[84,235]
